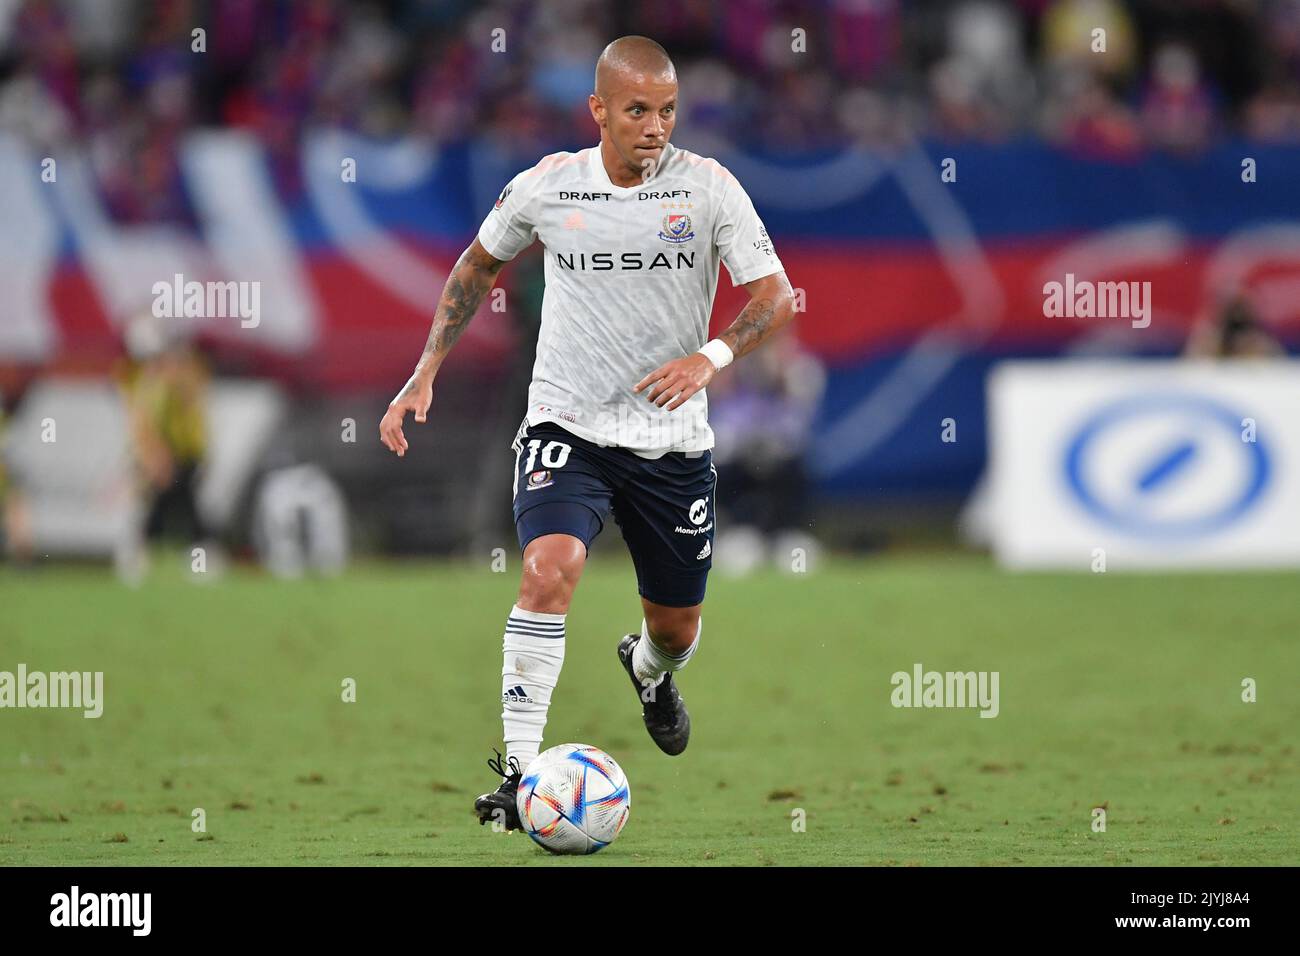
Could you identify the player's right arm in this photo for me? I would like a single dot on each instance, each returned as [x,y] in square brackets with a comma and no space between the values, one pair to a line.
[474,274]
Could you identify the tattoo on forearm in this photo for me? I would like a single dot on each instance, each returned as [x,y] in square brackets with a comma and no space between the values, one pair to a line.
[468,283]
[753,324]
[458,305]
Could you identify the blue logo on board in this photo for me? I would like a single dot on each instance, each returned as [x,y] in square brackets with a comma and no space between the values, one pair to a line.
[1140,503]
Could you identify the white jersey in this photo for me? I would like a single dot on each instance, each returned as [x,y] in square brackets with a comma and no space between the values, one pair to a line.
[631,272]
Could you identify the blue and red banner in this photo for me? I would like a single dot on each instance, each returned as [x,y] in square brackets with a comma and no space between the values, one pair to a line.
[913,283]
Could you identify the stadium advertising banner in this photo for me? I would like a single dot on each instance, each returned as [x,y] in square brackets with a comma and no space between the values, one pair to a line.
[1145,464]
[906,319]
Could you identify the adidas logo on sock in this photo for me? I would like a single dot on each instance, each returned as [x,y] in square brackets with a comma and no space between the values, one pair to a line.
[704,552]
[516,695]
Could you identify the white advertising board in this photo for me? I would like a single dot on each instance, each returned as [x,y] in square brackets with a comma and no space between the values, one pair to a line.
[1145,464]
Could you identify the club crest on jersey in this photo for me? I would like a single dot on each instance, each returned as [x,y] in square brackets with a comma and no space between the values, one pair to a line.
[676,229]
[502,198]
[540,479]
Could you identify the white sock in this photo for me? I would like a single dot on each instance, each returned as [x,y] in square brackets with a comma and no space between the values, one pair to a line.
[533,653]
[650,663]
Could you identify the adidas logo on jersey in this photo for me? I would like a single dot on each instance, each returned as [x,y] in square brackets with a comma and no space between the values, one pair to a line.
[704,551]
[516,695]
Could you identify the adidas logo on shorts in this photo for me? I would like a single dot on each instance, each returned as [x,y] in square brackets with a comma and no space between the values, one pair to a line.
[704,552]
[516,695]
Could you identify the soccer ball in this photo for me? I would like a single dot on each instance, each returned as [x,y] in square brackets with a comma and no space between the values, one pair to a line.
[573,799]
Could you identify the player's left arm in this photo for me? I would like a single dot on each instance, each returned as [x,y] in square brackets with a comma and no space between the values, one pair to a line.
[771,307]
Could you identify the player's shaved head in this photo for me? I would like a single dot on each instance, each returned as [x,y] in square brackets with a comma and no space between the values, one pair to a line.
[635,106]
[629,59]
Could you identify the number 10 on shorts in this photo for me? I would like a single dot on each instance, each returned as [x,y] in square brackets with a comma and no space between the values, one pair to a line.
[554,454]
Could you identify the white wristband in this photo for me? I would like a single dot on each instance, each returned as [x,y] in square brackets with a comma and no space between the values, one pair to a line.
[719,353]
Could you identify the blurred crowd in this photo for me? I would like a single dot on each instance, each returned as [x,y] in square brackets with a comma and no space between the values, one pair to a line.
[128,78]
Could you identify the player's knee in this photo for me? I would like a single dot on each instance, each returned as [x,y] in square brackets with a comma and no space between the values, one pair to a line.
[552,567]
[673,629]
[545,588]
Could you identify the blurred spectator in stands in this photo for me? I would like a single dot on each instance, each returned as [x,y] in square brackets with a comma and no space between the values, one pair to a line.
[1273,114]
[1280,24]
[1232,330]
[46,46]
[1089,52]
[164,386]
[865,37]
[1177,106]
[1069,42]
[803,115]
[444,101]
[15,523]
[872,119]
[742,27]
[28,109]
[713,104]
[1084,118]
[760,411]
[983,87]
[957,110]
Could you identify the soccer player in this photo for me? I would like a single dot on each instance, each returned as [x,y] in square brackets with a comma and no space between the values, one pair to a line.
[617,416]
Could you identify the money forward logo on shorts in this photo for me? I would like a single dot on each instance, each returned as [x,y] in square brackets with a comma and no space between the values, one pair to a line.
[699,511]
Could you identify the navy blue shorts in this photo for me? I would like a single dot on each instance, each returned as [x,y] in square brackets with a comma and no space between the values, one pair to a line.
[664,506]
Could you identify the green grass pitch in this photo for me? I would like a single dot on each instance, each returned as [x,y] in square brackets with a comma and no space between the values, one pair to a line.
[1122,691]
